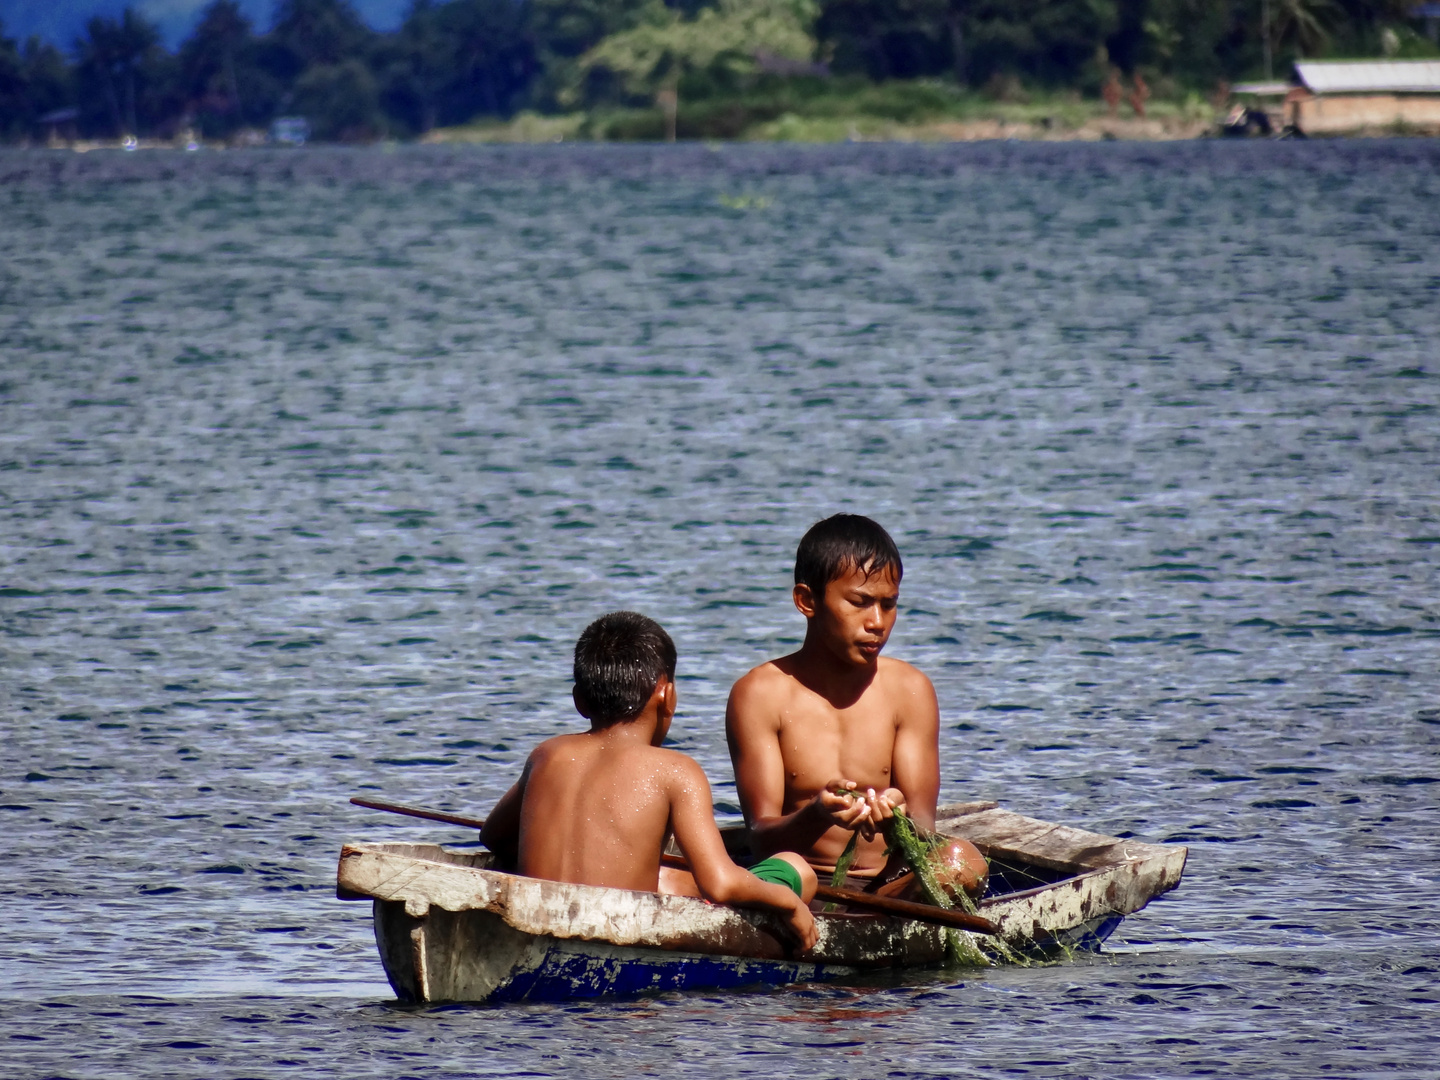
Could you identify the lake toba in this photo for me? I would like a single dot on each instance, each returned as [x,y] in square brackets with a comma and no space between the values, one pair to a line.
[313,464]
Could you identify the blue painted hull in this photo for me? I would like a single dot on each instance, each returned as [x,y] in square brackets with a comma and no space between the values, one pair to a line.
[577,970]
[574,970]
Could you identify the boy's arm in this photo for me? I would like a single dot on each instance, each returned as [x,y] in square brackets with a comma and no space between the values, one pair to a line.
[915,764]
[692,817]
[501,833]
[760,780]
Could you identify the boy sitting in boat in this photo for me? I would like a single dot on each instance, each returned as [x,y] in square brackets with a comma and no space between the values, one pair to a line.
[833,739]
[596,808]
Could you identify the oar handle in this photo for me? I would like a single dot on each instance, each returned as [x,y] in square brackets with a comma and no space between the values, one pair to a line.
[416,811]
[907,909]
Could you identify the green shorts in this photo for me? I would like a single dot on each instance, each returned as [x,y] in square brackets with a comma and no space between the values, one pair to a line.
[778,872]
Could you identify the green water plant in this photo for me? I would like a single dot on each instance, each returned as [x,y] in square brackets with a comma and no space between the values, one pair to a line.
[915,846]
[843,864]
[842,867]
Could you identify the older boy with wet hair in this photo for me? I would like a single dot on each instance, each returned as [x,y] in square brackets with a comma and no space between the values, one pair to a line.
[809,729]
[596,808]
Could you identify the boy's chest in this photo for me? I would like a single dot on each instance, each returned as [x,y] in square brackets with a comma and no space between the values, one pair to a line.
[819,745]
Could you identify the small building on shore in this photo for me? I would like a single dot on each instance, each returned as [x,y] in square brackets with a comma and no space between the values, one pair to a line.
[1347,97]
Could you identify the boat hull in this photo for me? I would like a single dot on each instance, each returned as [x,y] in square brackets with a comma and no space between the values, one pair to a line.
[476,956]
[450,928]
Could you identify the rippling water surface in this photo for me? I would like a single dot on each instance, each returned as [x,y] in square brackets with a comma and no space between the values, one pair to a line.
[313,465]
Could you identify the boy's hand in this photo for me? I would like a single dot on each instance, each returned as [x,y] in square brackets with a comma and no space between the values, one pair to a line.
[862,811]
[840,803]
[802,926]
[885,805]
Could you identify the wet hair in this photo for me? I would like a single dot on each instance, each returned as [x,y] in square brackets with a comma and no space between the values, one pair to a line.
[618,660]
[842,543]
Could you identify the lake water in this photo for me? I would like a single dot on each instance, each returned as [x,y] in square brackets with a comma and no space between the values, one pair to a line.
[313,465]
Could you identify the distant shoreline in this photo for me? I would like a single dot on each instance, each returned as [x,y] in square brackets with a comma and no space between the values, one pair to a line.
[939,132]
[790,128]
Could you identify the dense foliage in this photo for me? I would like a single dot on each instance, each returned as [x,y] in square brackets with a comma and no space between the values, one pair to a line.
[452,61]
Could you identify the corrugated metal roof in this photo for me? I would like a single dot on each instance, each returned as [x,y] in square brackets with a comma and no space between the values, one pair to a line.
[1262,89]
[1370,76]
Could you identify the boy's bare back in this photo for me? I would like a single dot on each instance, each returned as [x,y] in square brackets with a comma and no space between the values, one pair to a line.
[598,809]
[595,808]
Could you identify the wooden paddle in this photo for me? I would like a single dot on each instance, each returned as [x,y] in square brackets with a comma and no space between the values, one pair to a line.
[908,909]
[881,905]
[415,811]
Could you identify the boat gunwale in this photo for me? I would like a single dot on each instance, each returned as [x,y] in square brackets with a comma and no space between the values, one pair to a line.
[621,917]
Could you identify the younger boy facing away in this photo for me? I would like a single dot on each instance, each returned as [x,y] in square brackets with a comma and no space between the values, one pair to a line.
[596,808]
[836,716]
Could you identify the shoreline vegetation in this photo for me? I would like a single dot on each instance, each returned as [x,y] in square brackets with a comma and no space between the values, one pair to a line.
[777,118]
[896,112]
[810,71]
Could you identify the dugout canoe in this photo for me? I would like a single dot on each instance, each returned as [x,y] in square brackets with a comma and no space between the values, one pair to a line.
[450,928]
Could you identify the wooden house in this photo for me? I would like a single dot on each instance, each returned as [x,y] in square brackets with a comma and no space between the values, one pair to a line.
[1345,97]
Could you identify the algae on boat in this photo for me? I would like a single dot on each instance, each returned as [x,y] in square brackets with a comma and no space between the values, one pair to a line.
[905,836]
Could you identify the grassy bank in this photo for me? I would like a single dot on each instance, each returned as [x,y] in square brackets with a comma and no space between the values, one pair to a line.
[837,110]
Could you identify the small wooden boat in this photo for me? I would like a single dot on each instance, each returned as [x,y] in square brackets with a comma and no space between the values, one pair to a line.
[450,928]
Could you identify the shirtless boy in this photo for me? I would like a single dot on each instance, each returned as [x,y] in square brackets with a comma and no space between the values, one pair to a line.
[596,808]
[837,716]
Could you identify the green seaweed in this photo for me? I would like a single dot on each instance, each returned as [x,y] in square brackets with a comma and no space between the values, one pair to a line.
[915,848]
[842,868]
[915,845]
[843,864]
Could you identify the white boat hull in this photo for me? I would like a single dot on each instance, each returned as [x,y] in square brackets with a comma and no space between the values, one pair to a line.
[449,928]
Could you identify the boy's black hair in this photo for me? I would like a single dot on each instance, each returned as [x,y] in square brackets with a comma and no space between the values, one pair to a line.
[842,543]
[618,660]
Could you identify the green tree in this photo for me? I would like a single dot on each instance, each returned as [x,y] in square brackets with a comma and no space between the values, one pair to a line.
[14,100]
[564,30]
[893,39]
[118,62]
[722,41]
[1305,25]
[341,101]
[1197,42]
[414,64]
[493,55]
[319,32]
[49,79]
[1050,41]
[211,60]
[570,28]
[448,63]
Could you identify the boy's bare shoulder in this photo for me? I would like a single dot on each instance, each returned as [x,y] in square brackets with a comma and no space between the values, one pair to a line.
[546,747]
[762,688]
[662,762]
[674,759]
[636,762]
[649,757]
[906,678]
[765,678]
